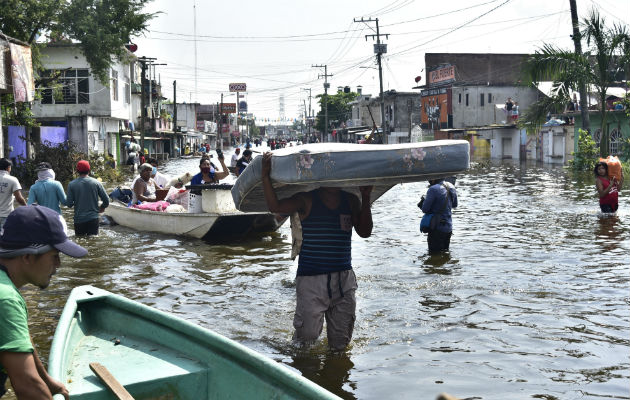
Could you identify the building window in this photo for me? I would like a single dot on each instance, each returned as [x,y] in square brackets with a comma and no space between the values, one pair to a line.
[72,87]
[614,142]
[481,98]
[127,91]
[597,135]
[460,98]
[114,85]
[489,98]
[467,99]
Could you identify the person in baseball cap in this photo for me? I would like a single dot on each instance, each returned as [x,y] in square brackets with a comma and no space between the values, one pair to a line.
[83,167]
[36,230]
[30,244]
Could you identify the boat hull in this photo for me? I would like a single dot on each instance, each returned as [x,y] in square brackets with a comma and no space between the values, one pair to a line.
[206,226]
[155,355]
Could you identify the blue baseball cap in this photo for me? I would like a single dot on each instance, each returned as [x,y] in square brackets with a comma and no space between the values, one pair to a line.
[36,230]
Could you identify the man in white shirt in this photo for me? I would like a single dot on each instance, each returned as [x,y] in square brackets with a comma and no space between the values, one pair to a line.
[9,187]
[160,179]
[234,159]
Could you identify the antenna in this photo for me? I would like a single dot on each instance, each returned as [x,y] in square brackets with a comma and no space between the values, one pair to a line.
[195,42]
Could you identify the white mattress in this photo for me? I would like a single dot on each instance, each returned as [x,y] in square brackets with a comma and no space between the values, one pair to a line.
[307,167]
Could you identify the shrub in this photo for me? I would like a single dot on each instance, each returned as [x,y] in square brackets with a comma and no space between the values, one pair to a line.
[588,153]
[63,158]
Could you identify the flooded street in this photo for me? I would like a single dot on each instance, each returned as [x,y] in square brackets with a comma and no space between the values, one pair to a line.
[531,302]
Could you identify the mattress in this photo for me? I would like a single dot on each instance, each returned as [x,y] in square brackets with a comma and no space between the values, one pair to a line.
[347,165]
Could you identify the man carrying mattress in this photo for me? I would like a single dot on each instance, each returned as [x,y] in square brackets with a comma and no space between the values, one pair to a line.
[325,282]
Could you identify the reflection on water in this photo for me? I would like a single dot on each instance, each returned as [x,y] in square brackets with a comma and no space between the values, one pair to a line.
[608,232]
[327,368]
[530,302]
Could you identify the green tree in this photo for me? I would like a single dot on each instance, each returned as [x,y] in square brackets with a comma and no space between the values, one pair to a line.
[101,27]
[339,109]
[600,66]
[586,156]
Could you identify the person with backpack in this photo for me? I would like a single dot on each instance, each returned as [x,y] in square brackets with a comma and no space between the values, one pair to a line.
[440,199]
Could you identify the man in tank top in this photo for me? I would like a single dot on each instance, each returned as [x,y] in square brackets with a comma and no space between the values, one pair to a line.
[325,282]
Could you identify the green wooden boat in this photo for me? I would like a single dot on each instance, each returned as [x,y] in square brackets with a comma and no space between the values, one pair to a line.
[155,355]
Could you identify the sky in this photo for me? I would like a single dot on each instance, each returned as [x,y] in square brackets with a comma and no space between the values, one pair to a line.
[274,45]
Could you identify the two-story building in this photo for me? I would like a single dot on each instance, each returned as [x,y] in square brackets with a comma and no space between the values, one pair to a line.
[402,114]
[93,113]
[466,95]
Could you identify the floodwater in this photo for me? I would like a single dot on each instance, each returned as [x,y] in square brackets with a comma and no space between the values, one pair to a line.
[531,302]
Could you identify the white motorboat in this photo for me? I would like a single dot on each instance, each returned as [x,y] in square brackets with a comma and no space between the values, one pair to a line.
[213,217]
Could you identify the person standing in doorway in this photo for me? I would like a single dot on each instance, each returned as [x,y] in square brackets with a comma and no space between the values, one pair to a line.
[9,188]
[30,245]
[325,282]
[440,199]
[83,195]
[46,191]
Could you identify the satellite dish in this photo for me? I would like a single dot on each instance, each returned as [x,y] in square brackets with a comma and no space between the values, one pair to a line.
[418,78]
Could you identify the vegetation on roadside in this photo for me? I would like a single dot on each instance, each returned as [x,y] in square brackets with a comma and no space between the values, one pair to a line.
[601,66]
[587,155]
[64,157]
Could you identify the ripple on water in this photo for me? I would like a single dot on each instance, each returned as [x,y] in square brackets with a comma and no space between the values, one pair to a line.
[530,302]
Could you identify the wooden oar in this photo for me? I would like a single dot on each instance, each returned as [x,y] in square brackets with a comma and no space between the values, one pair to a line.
[112,384]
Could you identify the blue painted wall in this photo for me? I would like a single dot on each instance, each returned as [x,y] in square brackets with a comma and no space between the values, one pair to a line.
[18,145]
[53,134]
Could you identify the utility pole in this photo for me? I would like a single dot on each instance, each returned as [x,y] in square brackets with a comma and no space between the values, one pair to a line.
[577,41]
[195,44]
[326,86]
[219,132]
[221,119]
[174,116]
[143,113]
[308,118]
[379,50]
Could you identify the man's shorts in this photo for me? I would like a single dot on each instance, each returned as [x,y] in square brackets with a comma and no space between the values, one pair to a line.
[330,296]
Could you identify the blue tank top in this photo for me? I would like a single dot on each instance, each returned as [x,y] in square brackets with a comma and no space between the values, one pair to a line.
[326,238]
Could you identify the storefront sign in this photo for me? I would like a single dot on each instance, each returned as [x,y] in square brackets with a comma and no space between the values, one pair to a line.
[442,75]
[228,108]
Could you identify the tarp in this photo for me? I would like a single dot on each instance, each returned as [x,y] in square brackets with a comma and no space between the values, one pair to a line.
[307,167]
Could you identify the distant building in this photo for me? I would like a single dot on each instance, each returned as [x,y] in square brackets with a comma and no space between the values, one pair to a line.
[93,114]
[465,97]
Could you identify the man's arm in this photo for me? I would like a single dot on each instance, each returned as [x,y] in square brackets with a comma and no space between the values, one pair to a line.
[104,197]
[61,194]
[428,201]
[225,171]
[284,206]
[19,198]
[53,385]
[24,376]
[362,214]
[31,197]
[70,197]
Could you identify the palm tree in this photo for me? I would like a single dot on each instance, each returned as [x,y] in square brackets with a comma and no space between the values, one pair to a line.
[606,58]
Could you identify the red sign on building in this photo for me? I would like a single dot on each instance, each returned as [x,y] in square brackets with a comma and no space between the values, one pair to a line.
[442,75]
[228,108]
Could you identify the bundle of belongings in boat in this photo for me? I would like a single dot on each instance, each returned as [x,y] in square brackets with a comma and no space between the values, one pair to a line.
[174,198]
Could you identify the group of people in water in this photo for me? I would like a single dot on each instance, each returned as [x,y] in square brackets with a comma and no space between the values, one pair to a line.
[149,180]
